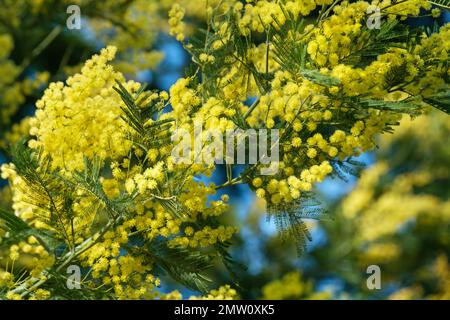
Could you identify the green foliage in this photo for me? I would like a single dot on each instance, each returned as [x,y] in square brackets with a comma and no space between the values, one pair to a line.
[441,3]
[54,194]
[290,223]
[138,111]
[440,101]
[184,265]
[12,223]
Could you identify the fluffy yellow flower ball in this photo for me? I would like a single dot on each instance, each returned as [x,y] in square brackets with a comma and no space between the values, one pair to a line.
[82,117]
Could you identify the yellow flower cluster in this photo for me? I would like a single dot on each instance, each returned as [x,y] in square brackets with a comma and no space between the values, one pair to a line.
[130,26]
[204,237]
[287,190]
[300,104]
[315,103]
[32,254]
[127,274]
[6,279]
[292,286]
[339,35]
[82,118]
[18,131]
[435,47]
[441,274]
[381,217]
[205,58]
[223,293]
[176,23]
[9,90]
[183,98]
[404,8]
[148,180]
[13,92]
[261,14]
[196,9]
[285,103]
[20,199]
[132,31]
[399,206]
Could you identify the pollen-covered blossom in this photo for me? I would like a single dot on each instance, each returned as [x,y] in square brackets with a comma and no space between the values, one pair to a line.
[223,293]
[10,93]
[82,117]
[398,209]
[318,121]
[257,16]
[100,176]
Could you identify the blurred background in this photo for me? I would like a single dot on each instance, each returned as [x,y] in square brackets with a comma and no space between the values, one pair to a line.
[393,213]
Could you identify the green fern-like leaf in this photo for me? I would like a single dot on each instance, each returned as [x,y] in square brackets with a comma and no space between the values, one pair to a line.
[440,101]
[137,114]
[189,267]
[12,222]
[289,220]
[20,230]
[441,3]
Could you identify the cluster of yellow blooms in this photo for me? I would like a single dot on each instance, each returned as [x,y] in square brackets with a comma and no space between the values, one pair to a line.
[82,117]
[131,26]
[441,274]
[176,23]
[259,15]
[32,255]
[374,223]
[13,92]
[302,108]
[379,216]
[127,274]
[85,119]
[292,287]
[395,214]
[223,293]
[204,237]
[8,72]
[40,258]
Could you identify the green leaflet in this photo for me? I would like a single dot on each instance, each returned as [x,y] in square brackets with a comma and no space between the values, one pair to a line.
[319,78]
[187,266]
[441,3]
[398,106]
[440,101]
[12,222]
